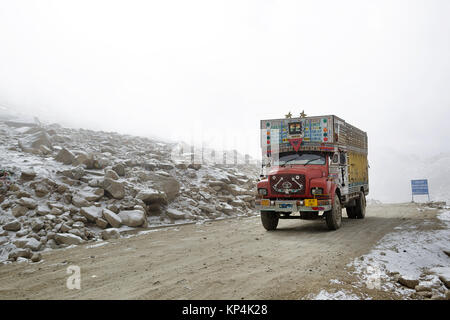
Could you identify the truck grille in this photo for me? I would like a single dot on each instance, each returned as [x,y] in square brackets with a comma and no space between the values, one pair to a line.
[288,184]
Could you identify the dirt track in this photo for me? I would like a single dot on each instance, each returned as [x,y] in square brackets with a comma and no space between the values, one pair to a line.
[228,259]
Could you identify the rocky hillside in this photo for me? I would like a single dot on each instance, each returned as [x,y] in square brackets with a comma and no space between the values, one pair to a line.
[62,187]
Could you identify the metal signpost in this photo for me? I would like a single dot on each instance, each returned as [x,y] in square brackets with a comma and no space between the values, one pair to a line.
[419,187]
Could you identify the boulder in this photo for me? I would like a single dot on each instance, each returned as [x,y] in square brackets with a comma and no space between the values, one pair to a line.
[20,243]
[27,202]
[91,213]
[195,166]
[36,257]
[150,196]
[165,166]
[75,173]
[110,233]
[78,172]
[100,163]
[22,233]
[444,275]
[421,287]
[91,194]
[42,211]
[31,143]
[101,223]
[111,174]
[77,232]
[62,188]
[409,283]
[82,158]
[114,208]
[45,150]
[65,156]
[12,226]
[41,190]
[226,208]
[56,211]
[79,201]
[28,175]
[20,253]
[114,188]
[78,225]
[132,218]
[64,228]
[113,219]
[67,238]
[37,225]
[119,169]
[33,244]
[181,165]
[175,214]
[52,244]
[169,185]
[18,210]
[206,208]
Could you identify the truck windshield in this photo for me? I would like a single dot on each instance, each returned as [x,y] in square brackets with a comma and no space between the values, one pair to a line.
[301,158]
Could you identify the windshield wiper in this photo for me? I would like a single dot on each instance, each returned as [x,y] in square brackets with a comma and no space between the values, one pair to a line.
[284,164]
[311,160]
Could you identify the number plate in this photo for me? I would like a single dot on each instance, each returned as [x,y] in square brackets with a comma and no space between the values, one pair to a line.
[285,205]
[311,202]
[265,202]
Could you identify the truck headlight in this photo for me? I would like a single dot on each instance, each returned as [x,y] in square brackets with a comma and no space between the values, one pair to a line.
[262,191]
[316,191]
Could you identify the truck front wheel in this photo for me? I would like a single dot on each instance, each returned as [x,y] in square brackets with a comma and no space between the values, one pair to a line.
[334,216]
[270,219]
[360,209]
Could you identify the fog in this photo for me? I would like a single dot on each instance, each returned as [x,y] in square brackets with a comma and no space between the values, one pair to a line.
[174,70]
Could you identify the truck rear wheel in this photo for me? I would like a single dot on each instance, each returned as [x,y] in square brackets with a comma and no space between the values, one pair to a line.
[351,212]
[360,209]
[334,216]
[270,219]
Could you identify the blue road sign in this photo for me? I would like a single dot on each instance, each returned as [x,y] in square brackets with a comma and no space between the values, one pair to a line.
[419,187]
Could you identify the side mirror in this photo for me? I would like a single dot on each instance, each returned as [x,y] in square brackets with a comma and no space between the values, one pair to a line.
[335,158]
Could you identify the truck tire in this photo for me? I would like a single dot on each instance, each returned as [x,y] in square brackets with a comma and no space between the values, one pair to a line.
[351,212]
[360,209]
[334,216]
[270,219]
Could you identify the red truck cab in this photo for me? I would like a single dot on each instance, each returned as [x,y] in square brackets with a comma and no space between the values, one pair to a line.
[298,181]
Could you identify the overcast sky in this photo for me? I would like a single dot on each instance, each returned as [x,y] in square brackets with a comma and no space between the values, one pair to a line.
[165,68]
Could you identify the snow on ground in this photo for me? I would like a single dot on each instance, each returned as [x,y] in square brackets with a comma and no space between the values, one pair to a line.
[338,295]
[410,253]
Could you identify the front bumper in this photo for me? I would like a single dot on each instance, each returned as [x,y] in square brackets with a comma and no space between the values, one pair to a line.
[292,206]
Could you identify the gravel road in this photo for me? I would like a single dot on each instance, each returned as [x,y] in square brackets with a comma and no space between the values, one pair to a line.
[227,259]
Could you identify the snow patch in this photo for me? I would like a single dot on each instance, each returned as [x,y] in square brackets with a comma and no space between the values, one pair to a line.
[339,295]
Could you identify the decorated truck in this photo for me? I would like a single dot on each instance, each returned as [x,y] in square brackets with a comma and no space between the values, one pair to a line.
[313,167]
